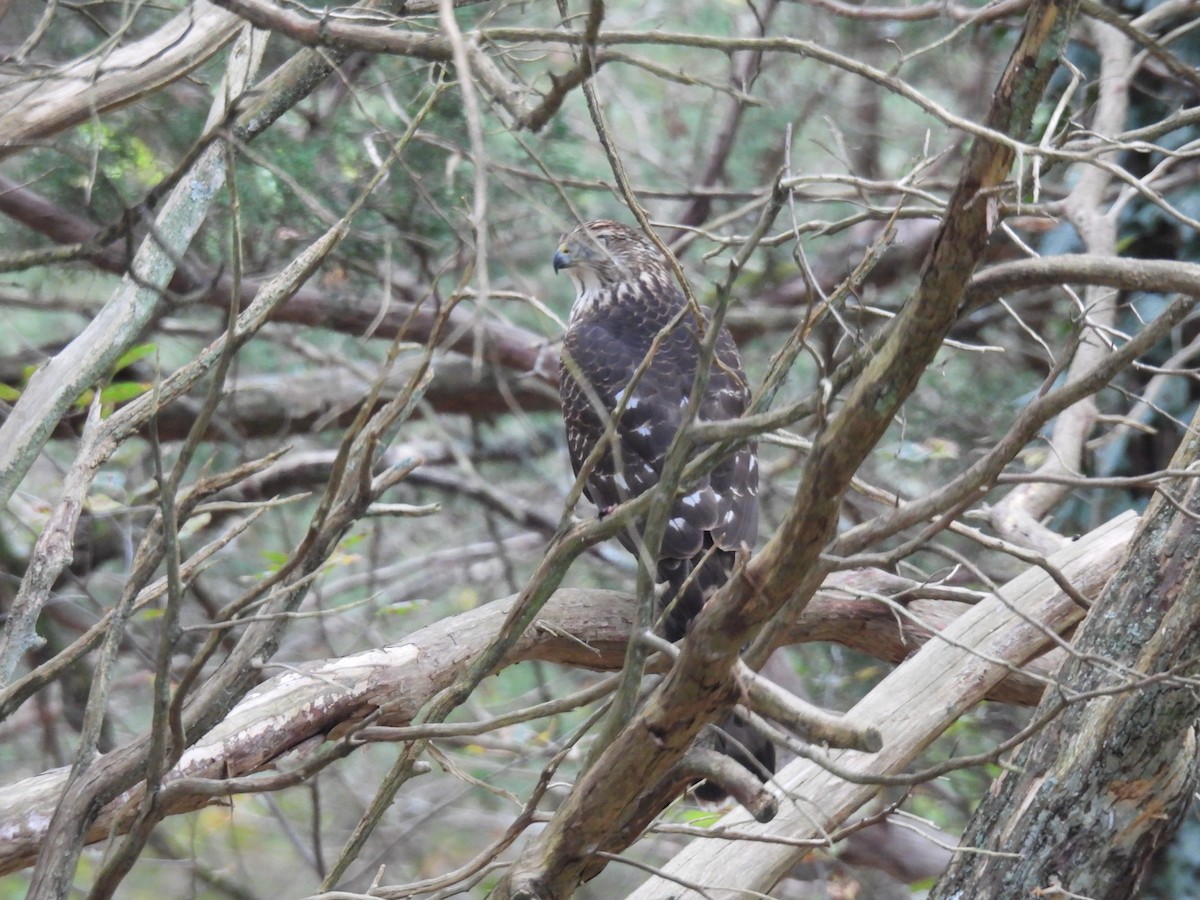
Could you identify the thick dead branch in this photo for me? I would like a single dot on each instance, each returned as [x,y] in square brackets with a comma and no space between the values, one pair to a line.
[910,707]
[303,403]
[345,34]
[331,698]
[47,103]
[1161,275]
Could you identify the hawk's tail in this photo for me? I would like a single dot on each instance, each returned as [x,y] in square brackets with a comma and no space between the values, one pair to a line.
[688,584]
[736,739]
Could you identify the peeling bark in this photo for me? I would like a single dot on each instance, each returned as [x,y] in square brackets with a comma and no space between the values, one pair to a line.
[1089,799]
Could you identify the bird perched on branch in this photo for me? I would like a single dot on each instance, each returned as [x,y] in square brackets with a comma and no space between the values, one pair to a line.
[632,349]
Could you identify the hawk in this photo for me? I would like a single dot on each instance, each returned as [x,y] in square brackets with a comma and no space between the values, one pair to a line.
[630,316]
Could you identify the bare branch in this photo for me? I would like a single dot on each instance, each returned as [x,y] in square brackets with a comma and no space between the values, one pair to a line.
[46,104]
[386,688]
[916,701]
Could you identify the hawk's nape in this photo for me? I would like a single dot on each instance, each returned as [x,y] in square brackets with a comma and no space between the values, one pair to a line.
[631,342]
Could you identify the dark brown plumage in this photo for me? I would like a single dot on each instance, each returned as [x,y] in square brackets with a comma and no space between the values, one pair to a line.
[625,300]
[626,297]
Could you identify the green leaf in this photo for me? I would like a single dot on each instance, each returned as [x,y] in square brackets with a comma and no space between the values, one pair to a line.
[701,818]
[133,354]
[275,558]
[402,607]
[9,393]
[120,391]
[351,540]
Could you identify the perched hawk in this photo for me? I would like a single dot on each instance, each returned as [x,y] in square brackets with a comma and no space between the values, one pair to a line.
[621,323]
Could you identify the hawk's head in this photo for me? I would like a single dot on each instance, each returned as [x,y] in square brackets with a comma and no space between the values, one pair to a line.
[602,255]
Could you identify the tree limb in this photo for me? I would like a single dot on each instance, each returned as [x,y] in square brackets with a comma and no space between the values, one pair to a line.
[330,699]
[46,104]
[910,707]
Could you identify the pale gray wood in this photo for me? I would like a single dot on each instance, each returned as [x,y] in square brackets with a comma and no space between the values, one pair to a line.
[910,707]
[37,107]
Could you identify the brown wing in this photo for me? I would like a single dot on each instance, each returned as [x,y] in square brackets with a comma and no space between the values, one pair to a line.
[601,354]
[734,481]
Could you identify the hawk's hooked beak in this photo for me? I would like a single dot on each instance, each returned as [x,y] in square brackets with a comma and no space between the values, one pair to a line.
[562,260]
